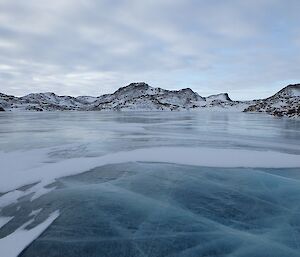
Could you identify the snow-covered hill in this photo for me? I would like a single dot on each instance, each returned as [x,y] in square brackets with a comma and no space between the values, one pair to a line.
[136,96]
[142,97]
[40,102]
[286,102]
[223,97]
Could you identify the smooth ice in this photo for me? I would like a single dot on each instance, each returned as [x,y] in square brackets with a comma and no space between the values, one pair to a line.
[150,184]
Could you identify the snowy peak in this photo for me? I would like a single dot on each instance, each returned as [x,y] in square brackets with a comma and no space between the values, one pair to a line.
[191,94]
[224,97]
[288,91]
[137,86]
[140,96]
[50,98]
[40,97]
[142,88]
[136,90]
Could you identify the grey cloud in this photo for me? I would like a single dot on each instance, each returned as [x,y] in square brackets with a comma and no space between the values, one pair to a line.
[93,47]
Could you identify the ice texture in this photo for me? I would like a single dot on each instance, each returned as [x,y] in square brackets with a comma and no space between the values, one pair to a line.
[155,209]
[152,184]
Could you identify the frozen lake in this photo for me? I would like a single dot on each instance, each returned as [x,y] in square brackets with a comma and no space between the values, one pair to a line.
[149,184]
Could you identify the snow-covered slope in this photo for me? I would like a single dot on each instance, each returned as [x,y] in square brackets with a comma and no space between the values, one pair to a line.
[289,91]
[286,102]
[6,101]
[50,101]
[86,99]
[140,96]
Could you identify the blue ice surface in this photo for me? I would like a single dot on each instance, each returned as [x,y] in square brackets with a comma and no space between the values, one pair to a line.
[155,209]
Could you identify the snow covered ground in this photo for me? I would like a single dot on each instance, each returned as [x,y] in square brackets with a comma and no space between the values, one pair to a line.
[219,183]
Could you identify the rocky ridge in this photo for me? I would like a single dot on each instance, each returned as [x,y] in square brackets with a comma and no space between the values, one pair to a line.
[286,102]
[135,96]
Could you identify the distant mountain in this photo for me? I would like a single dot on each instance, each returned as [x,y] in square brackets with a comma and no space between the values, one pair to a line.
[135,96]
[142,97]
[39,102]
[219,97]
[286,102]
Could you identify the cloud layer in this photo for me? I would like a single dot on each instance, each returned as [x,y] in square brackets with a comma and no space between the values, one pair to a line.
[88,47]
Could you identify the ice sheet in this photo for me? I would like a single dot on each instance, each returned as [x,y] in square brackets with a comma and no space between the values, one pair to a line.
[156,209]
[37,149]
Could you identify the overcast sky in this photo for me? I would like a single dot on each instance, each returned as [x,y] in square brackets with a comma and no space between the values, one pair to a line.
[249,48]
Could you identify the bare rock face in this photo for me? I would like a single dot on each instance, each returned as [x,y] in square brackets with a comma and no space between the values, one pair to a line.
[286,102]
[2,109]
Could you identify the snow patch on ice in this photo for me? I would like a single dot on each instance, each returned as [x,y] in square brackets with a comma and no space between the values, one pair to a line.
[11,197]
[5,220]
[35,212]
[46,173]
[23,160]
[13,244]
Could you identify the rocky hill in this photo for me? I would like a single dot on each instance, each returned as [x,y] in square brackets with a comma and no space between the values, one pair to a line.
[286,102]
[136,96]
[142,97]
